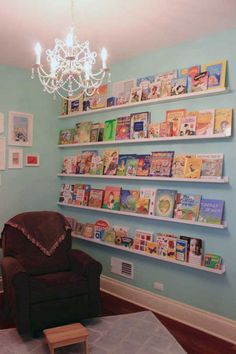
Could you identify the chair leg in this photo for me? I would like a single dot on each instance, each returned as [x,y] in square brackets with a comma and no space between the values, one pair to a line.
[86,351]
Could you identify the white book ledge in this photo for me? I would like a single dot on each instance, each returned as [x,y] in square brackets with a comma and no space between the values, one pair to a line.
[224,179]
[144,216]
[165,259]
[145,140]
[149,102]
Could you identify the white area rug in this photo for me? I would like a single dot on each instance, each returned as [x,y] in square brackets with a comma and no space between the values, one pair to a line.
[136,333]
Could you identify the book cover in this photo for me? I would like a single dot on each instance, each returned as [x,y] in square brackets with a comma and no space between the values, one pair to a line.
[75,104]
[86,159]
[192,167]
[187,239]
[213,261]
[211,211]
[149,193]
[162,244]
[223,121]
[66,136]
[111,101]
[100,227]
[131,165]
[94,132]
[81,192]
[78,162]
[166,129]
[165,79]
[188,125]
[144,83]
[141,239]
[205,122]
[96,166]
[143,167]
[165,201]
[128,200]
[171,247]
[212,165]
[99,97]
[181,250]
[112,198]
[155,90]
[178,165]
[187,206]
[64,107]
[151,248]
[69,165]
[96,198]
[121,90]
[109,130]
[189,73]
[178,86]
[84,131]
[195,251]
[88,230]
[216,74]
[154,130]
[142,205]
[135,94]
[121,165]
[123,128]
[139,125]
[161,163]
[121,233]
[199,82]
[175,116]
[109,236]
[101,132]
[66,193]
[110,160]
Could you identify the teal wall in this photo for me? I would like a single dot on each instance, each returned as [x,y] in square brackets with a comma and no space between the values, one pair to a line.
[204,290]
[30,188]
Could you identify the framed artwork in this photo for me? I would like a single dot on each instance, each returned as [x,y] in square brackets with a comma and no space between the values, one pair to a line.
[32,160]
[1,122]
[15,158]
[20,129]
[2,152]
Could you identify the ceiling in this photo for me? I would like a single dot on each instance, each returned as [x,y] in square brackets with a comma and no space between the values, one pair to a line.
[126,28]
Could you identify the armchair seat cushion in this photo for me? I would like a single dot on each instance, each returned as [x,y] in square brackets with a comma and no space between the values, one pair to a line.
[55,286]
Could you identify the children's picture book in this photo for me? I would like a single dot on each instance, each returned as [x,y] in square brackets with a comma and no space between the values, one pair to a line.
[112,198]
[122,234]
[64,107]
[128,200]
[84,131]
[143,167]
[96,198]
[196,251]
[109,236]
[189,73]
[149,193]
[110,160]
[178,86]
[69,165]
[88,230]
[181,250]
[111,101]
[161,163]
[223,121]
[66,136]
[162,244]
[135,94]
[141,238]
[79,228]
[96,166]
[178,165]
[144,83]
[101,132]
[212,260]
[151,248]
[199,82]
[187,206]
[75,104]
[212,165]
[100,227]
[123,128]
[109,130]
[81,192]
[187,239]
[121,165]
[216,74]
[67,193]
[175,117]
[142,205]
[188,125]
[171,247]
[94,132]
[192,167]
[139,125]
[165,201]
[166,129]
[155,90]
[78,162]
[154,130]
[86,159]
[211,211]
[166,79]
[205,122]
[131,165]
[99,98]
[121,90]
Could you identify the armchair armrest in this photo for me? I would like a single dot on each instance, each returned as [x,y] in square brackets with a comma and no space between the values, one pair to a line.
[16,291]
[85,265]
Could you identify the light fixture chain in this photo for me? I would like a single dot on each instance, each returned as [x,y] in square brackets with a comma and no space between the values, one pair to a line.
[72,12]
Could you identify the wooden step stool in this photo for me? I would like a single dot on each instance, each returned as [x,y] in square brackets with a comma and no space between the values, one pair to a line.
[65,335]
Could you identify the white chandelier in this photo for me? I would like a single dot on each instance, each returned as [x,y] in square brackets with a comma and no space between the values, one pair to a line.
[71,64]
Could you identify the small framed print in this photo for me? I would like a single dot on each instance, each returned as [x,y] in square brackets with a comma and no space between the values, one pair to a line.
[20,129]
[32,160]
[15,158]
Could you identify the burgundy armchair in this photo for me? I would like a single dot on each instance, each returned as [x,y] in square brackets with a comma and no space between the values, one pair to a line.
[45,282]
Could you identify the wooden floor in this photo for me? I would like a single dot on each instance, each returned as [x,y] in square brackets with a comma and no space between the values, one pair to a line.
[192,340]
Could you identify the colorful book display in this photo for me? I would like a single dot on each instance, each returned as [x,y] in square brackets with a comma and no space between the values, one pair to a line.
[165,201]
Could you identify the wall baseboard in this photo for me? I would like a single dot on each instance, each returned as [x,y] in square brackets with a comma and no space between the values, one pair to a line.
[208,322]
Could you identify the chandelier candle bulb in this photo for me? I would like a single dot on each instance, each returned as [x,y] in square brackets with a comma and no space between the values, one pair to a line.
[104,58]
[38,51]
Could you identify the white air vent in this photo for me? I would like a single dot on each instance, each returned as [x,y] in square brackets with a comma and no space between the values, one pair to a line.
[123,268]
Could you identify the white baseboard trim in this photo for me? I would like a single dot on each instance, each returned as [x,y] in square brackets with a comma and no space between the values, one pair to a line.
[205,321]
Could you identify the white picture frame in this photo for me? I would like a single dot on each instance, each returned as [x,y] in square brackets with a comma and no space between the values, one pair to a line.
[20,129]
[32,160]
[15,158]
[2,153]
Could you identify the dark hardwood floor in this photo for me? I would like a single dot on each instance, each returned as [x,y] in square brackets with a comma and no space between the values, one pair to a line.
[192,340]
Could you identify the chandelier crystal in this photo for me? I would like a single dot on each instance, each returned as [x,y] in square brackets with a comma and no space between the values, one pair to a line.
[71,67]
